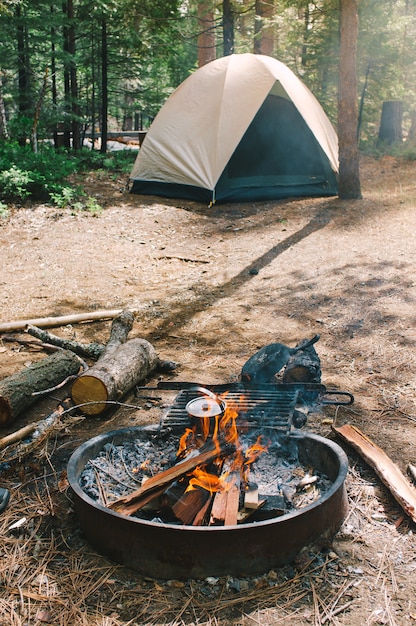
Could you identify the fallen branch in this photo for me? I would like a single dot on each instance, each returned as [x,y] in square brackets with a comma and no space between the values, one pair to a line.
[388,472]
[35,434]
[49,322]
[90,350]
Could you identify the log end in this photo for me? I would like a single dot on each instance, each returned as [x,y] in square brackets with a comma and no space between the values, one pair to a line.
[86,389]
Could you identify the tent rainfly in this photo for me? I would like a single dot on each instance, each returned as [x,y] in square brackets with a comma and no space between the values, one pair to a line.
[240,128]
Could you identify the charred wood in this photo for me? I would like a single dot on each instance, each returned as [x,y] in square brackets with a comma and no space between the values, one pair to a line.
[304,365]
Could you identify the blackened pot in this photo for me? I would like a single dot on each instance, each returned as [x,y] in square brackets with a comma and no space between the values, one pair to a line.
[168,551]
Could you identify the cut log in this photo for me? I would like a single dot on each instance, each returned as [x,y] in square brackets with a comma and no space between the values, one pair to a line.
[134,501]
[122,366]
[303,365]
[21,390]
[388,472]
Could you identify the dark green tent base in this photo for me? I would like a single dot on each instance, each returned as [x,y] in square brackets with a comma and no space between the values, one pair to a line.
[308,188]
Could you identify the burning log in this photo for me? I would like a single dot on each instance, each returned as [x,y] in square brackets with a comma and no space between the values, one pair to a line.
[122,365]
[388,472]
[226,501]
[135,501]
[190,504]
[21,390]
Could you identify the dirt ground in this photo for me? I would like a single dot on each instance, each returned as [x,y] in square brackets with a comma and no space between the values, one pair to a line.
[209,287]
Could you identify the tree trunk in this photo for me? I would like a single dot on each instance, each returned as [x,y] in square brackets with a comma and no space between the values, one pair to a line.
[3,120]
[263,28]
[228,27]
[206,36]
[349,177]
[75,126]
[23,69]
[17,391]
[391,123]
[67,80]
[104,86]
[411,138]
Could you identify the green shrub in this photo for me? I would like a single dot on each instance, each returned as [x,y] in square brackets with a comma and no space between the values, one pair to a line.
[24,173]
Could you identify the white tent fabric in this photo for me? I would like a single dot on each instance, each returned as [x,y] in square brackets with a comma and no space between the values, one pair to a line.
[198,128]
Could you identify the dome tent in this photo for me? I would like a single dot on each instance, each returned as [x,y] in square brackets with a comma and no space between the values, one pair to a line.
[242,127]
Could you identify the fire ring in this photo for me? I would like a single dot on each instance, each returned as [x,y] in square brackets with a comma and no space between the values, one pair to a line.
[167,551]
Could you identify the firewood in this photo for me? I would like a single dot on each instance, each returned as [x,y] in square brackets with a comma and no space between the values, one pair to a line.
[21,390]
[388,472]
[226,502]
[269,360]
[49,322]
[303,365]
[190,503]
[122,365]
[128,505]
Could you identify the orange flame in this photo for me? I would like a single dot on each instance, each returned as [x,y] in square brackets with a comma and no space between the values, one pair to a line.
[205,480]
[223,429]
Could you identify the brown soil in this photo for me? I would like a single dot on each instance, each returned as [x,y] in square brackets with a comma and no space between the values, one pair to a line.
[210,287]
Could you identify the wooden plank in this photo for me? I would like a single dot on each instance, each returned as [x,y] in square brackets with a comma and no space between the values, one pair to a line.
[389,473]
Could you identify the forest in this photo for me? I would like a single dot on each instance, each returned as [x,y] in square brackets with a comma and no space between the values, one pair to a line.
[71,73]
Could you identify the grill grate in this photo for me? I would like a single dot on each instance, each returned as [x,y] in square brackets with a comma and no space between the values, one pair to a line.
[259,407]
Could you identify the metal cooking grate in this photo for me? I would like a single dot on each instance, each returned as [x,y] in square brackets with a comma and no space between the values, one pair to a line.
[259,407]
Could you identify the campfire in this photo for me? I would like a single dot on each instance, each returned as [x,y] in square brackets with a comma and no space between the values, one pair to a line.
[224,485]
[222,471]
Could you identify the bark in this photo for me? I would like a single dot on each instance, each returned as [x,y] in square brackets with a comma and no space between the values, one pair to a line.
[303,366]
[104,86]
[122,366]
[388,472]
[228,27]
[49,322]
[91,350]
[349,177]
[390,131]
[34,134]
[206,37]
[21,390]
[67,79]
[4,134]
[75,125]
[263,28]
[411,139]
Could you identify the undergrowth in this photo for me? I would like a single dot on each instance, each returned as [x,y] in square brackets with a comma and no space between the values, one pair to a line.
[26,175]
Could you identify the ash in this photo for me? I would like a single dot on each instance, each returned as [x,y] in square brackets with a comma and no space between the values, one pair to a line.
[277,474]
